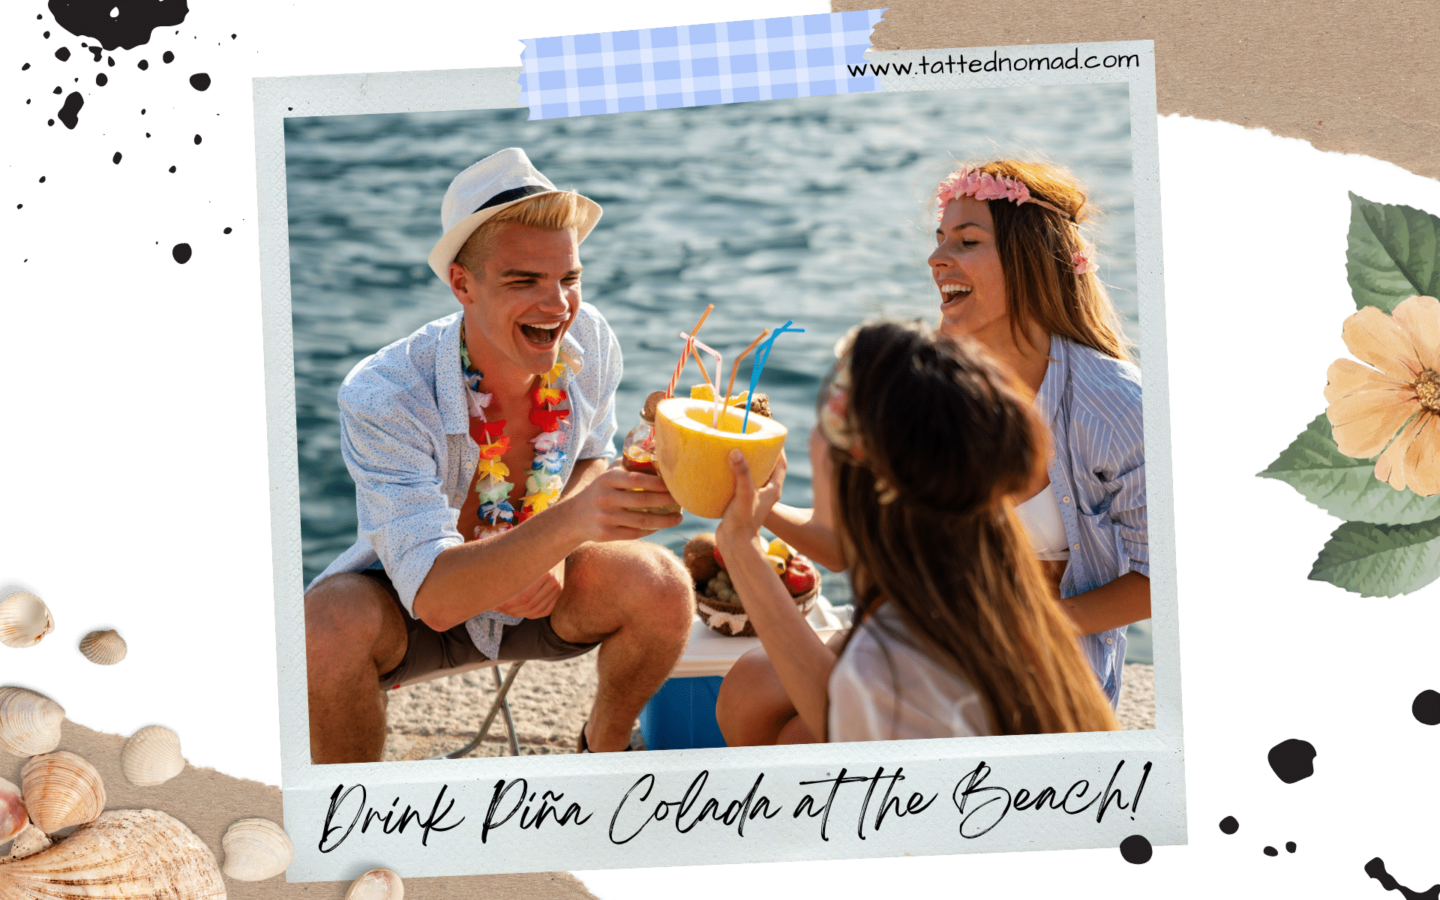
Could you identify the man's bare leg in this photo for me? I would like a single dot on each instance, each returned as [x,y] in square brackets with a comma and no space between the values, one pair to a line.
[637,599]
[353,635]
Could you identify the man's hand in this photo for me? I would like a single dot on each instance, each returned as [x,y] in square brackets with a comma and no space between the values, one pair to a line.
[537,600]
[605,509]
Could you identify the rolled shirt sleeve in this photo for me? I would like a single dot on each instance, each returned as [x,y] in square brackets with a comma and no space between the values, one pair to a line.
[402,510]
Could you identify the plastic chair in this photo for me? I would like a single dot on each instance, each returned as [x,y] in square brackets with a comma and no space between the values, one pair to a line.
[499,705]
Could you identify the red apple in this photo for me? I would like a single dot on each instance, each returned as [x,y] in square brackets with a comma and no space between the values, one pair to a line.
[800,575]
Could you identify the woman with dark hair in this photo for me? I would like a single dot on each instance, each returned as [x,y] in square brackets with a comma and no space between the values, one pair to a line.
[922,444]
[1016,275]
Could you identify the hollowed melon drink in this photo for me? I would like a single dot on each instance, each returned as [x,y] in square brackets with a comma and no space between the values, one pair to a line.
[694,458]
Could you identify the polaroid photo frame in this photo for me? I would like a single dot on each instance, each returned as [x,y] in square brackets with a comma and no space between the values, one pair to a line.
[700,806]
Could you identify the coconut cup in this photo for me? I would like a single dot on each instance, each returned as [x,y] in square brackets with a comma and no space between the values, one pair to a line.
[694,458]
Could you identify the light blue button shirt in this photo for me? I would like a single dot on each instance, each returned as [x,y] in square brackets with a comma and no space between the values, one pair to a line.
[405,437]
[1092,404]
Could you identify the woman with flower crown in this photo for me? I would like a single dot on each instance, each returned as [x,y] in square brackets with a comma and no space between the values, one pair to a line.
[1016,275]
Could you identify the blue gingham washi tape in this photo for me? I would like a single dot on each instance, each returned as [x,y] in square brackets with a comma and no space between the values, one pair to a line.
[697,65]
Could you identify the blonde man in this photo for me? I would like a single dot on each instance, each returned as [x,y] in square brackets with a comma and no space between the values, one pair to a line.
[491,524]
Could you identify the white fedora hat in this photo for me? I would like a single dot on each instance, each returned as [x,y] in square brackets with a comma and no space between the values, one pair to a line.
[496,182]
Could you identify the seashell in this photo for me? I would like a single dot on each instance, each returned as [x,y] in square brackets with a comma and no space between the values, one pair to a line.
[61,789]
[377,884]
[24,620]
[256,849]
[28,842]
[29,722]
[105,648]
[13,817]
[151,756]
[126,854]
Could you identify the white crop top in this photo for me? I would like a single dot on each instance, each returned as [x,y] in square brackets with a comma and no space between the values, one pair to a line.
[1040,516]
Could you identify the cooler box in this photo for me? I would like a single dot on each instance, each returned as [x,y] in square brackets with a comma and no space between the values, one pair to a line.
[681,715]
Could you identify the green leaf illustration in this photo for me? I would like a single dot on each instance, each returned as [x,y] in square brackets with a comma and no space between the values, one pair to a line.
[1394,253]
[1380,560]
[1343,486]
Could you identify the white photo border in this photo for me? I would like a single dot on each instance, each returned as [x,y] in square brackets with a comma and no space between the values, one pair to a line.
[631,808]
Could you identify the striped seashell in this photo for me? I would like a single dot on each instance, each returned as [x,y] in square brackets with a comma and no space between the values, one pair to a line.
[61,789]
[104,648]
[151,756]
[126,854]
[256,849]
[24,620]
[29,722]
[377,884]
[13,817]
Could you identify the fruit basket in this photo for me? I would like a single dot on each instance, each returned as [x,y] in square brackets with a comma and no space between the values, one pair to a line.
[715,598]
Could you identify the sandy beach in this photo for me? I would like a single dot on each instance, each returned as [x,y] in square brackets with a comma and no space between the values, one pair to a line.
[550,701]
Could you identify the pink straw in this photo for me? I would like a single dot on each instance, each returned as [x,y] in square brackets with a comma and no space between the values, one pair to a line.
[719,367]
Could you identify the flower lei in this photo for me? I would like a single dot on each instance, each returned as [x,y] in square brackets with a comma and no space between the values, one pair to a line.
[544,482]
[973,182]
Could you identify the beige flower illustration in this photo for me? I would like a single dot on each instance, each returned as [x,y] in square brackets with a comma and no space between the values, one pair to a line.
[1368,406]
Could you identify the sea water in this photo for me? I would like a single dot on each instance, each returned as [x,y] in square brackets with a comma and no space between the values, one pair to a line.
[812,209]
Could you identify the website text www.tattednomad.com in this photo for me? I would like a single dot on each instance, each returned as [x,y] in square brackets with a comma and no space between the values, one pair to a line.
[997,63]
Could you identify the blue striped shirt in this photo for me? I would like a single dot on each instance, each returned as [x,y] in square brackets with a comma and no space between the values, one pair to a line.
[1097,470]
[405,437]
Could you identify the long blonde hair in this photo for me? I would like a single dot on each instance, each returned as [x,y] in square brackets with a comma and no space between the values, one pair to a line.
[943,440]
[1037,248]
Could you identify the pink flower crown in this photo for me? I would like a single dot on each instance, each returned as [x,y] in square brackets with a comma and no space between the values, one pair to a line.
[972,182]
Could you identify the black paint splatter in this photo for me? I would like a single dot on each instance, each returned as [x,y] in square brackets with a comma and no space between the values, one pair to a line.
[116,158]
[1136,849]
[70,112]
[1426,708]
[1289,846]
[1293,760]
[42,179]
[200,81]
[51,122]
[109,61]
[62,54]
[1375,868]
[172,170]
[181,252]
[143,64]
[24,67]
[197,140]
[129,29]
[95,51]
[168,57]
[227,230]
[1271,851]
[59,89]
[102,79]
[1229,825]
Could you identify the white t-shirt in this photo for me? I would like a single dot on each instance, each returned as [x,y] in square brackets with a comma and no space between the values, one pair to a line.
[883,689]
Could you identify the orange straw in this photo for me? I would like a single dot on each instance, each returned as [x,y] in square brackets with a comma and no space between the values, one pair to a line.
[736,364]
[685,354]
[703,374]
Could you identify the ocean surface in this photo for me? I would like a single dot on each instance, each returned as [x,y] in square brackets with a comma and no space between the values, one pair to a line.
[810,209]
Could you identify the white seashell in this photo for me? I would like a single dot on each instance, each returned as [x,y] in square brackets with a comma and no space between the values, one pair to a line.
[126,854]
[256,849]
[151,756]
[61,789]
[13,817]
[28,842]
[105,648]
[377,884]
[24,620]
[29,722]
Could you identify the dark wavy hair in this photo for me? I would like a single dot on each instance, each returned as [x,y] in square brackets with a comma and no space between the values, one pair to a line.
[943,441]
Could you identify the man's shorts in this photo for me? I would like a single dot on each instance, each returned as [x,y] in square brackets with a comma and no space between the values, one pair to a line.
[428,650]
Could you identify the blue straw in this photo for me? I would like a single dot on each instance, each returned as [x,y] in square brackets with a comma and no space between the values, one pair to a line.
[762,353]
